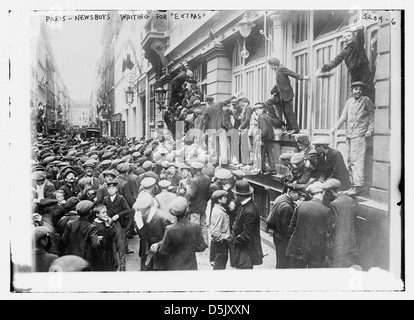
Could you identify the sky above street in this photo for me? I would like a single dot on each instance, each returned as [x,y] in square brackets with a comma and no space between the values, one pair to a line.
[76,47]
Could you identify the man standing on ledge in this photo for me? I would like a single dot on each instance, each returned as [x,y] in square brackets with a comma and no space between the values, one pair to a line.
[284,89]
[358,114]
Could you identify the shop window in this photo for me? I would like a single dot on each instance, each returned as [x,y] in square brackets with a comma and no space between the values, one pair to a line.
[327,22]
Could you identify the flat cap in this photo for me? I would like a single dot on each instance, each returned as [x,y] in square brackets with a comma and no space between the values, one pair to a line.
[115,163]
[39,175]
[46,202]
[321,141]
[286,156]
[84,181]
[147,164]
[89,164]
[178,206]
[108,173]
[313,153]
[136,154]
[302,138]
[94,156]
[165,164]
[162,150]
[273,61]
[83,207]
[358,84]
[332,184]
[69,263]
[316,187]
[63,164]
[144,201]
[218,194]
[223,174]
[197,165]
[123,167]
[297,158]
[112,183]
[40,232]
[106,162]
[164,184]
[184,166]
[239,174]
[148,182]
[170,157]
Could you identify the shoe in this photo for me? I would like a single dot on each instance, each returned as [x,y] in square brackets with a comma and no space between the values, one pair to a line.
[354,191]
[129,251]
[293,131]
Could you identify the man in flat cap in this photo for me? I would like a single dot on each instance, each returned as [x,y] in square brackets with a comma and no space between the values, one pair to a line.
[310,227]
[44,188]
[343,236]
[80,235]
[182,239]
[173,175]
[42,241]
[198,196]
[70,187]
[285,92]
[278,220]
[151,225]
[359,116]
[164,199]
[301,174]
[220,231]
[331,163]
[119,211]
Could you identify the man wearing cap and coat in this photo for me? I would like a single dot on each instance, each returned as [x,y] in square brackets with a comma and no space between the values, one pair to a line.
[70,187]
[310,228]
[44,188]
[151,231]
[80,235]
[181,240]
[42,258]
[245,234]
[331,164]
[164,199]
[198,196]
[285,92]
[359,116]
[343,246]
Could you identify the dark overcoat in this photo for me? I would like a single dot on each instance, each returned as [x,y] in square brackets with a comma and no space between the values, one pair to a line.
[246,232]
[334,167]
[180,243]
[311,224]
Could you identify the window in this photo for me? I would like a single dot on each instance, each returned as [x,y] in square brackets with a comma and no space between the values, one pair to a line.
[301,91]
[300,27]
[152,103]
[330,21]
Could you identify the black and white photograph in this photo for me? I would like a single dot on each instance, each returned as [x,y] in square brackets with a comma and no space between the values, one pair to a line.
[197,153]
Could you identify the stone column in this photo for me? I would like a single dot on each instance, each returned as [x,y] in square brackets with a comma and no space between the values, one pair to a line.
[219,72]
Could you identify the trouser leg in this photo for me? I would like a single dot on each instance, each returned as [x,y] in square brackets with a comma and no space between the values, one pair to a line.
[120,244]
[282,260]
[222,254]
[356,159]
[271,154]
[291,122]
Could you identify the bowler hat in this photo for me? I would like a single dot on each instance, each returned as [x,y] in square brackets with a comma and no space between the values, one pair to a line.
[178,206]
[243,188]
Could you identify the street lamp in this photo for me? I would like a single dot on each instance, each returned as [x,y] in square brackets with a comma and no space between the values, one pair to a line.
[160,97]
[129,96]
[245,28]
